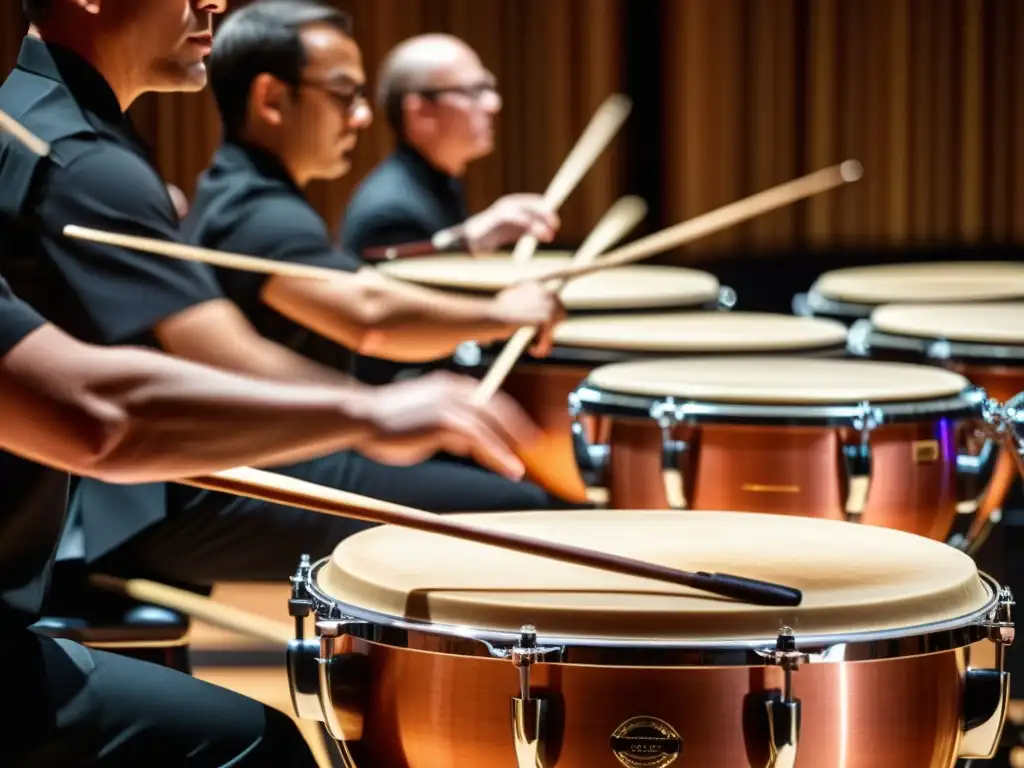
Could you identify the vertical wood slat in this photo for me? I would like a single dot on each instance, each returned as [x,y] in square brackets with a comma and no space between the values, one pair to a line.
[928,94]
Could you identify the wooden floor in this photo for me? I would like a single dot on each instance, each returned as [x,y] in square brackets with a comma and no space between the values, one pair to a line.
[266,684]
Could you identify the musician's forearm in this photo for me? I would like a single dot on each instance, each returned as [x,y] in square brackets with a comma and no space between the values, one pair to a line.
[188,421]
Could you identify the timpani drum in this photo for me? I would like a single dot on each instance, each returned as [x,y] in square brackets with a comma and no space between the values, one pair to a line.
[542,387]
[484,657]
[984,342]
[633,287]
[859,440]
[849,294]
[566,463]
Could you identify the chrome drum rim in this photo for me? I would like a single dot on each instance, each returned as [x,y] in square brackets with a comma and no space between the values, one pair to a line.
[397,632]
[670,411]
[864,337]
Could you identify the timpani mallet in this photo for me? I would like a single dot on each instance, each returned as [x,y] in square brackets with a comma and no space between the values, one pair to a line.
[717,220]
[9,125]
[624,215]
[290,491]
[596,137]
[199,607]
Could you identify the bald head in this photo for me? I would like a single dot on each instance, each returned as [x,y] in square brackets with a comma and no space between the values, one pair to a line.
[421,63]
[437,95]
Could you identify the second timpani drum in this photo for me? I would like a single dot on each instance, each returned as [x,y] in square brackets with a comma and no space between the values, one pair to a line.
[543,387]
[633,287]
[483,657]
[854,440]
[849,294]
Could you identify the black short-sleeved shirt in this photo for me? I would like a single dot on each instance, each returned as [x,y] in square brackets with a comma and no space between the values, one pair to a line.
[246,202]
[404,199]
[98,175]
[33,499]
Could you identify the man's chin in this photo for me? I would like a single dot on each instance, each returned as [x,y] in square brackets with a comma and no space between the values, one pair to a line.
[181,79]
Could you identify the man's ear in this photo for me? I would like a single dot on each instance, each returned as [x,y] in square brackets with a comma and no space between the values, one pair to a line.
[265,99]
[414,105]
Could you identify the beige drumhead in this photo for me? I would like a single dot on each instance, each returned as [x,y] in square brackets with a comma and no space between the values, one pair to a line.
[995,323]
[907,283]
[636,285]
[789,380]
[700,331]
[853,578]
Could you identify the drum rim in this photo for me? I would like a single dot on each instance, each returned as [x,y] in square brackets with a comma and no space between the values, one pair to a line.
[864,335]
[457,640]
[670,411]
[818,302]
[585,356]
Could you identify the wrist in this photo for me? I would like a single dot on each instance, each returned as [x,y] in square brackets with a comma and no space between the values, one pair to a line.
[357,406]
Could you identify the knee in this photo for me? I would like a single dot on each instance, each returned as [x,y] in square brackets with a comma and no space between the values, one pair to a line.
[282,743]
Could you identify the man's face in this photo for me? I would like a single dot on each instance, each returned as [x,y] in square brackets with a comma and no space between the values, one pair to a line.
[170,38]
[322,122]
[463,100]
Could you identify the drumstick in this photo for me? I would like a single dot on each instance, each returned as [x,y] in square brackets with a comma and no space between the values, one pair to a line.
[619,220]
[280,489]
[199,607]
[718,219]
[203,255]
[595,138]
[23,134]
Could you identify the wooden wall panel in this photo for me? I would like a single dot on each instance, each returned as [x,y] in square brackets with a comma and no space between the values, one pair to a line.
[928,95]
[555,60]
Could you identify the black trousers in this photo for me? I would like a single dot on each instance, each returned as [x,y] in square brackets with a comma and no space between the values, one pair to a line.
[68,705]
[212,537]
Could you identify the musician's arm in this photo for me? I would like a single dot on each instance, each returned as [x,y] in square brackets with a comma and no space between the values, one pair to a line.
[133,297]
[374,315]
[133,415]
[363,309]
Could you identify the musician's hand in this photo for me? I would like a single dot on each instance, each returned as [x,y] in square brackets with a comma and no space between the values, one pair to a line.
[531,304]
[434,413]
[508,219]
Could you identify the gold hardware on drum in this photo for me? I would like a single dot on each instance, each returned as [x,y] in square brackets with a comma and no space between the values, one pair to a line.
[646,742]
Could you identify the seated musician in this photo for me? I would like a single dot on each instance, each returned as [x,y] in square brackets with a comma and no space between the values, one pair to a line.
[439,102]
[131,415]
[79,69]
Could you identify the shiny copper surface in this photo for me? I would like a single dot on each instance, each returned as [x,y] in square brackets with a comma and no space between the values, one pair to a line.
[543,391]
[428,710]
[795,470]
[1002,383]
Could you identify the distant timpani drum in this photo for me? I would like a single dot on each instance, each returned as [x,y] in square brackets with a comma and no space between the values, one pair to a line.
[984,342]
[847,439]
[633,287]
[849,294]
[433,652]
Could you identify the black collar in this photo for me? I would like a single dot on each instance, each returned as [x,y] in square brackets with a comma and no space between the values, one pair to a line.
[446,187]
[91,91]
[237,156]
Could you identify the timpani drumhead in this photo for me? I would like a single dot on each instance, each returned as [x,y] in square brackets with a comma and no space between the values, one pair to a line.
[700,331]
[787,380]
[854,578]
[914,283]
[632,286]
[996,323]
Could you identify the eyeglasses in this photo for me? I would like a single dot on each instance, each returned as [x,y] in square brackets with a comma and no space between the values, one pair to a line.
[349,101]
[477,92]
